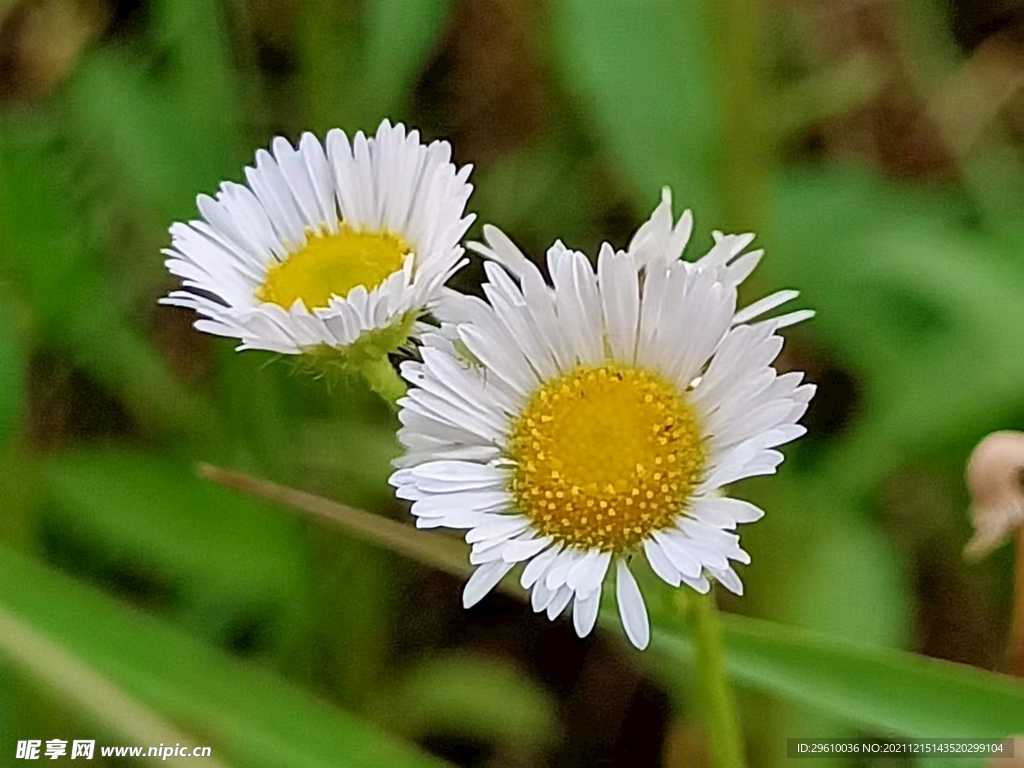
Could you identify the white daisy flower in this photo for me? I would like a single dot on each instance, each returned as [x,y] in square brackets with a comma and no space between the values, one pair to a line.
[324,248]
[577,425]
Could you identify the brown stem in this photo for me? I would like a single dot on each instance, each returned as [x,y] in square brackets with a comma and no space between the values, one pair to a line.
[1015,653]
[436,550]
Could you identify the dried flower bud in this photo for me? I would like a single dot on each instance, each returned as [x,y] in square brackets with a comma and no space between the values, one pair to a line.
[994,478]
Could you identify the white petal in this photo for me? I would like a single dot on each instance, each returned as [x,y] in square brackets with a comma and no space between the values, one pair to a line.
[632,610]
[558,602]
[478,501]
[725,512]
[700,584]
[559,572]
[767,304]
[791,318]
[517,551]
[660,562]
[588,572]
[499,527]
[620,297]
[457,476]
[584,613]
[500,248]
[537,568]
[541,596]
[676,548]
[484,579]
[727,578]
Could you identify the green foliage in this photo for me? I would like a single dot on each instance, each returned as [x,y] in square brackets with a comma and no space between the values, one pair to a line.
[247,715]
[917,285]
[643,71]
[165,152]
[361,60]
[13,372]
[528,192]
[399,37]
[478,697]
[136,513]
[48,254]
[891,692]
[914,299]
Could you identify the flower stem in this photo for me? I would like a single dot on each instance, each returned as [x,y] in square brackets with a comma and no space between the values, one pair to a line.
[1015,653]
[743,159]
[432,549]
[716,696]
[383,379]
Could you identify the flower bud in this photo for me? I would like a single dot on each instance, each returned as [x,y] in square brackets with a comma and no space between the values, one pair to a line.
[994,478]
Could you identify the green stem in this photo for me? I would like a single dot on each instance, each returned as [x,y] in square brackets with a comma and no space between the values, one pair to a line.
[716,696]
[743,159]
[383,379]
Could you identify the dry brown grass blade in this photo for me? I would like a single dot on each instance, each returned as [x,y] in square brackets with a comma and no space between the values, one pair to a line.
[439,551]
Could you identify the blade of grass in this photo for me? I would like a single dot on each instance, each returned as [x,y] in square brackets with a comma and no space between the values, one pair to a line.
[41,659]
[893,691]
[248,715]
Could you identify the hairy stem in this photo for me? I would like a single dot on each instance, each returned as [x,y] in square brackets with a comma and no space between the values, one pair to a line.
[383,379]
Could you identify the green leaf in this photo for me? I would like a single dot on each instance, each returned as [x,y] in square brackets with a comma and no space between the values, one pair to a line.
[643,71]
[164,144]
[42,666]
[17,482]
[46,253]
[13,371]
[539,194]
[44,248]
[201,79]
[475,696]
[327,47]
[891,691]
[361,68]
[173,131]
[399,35]
[884,690]
[910,299]
[247,715]
[859,591]
[219,561]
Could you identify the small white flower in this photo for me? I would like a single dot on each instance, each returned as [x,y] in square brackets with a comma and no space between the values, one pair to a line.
[573,426]
[324,247]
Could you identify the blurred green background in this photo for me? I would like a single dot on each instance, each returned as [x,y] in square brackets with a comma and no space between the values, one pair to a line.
[875,146]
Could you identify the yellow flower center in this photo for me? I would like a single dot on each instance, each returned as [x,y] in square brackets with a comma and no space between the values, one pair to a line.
[333,264]
[605,455]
